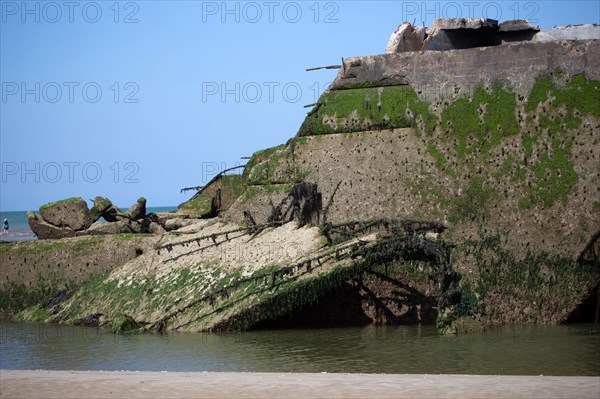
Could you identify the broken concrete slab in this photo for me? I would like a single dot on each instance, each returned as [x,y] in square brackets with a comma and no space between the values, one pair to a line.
[101,204]
[464,23]
[72,213]
[137,210]
[156,228]
[517,25]
[100,228]
[44,230]
[518,30]
[406,38]
[461,33]
[575,32]
[177,223]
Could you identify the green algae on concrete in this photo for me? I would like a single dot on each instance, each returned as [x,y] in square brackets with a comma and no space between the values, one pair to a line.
[578,92]
[88,243]
[262,156]
[201,204]
[206,297]
[475,125]
[551,284]
[481,121]
[35,271]
[555,107]
[125,324]
[470,134]
[466,133]
[35,313]
[360,109]
[17,297]
[275,165]
[473,203]
[74,200]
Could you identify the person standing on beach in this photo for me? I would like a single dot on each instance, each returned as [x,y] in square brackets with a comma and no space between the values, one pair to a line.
[5,231]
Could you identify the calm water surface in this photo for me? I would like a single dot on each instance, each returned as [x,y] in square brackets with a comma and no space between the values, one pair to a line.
[557,350]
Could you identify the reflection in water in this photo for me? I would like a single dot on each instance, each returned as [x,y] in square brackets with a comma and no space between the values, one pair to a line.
[557,350]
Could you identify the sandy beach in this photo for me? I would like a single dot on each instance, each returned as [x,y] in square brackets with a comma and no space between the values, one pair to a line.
[111,384]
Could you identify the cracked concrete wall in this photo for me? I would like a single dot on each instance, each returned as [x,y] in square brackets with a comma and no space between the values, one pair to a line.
[439,76]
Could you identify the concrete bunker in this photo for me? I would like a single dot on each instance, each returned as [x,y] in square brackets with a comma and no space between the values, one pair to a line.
[463,33]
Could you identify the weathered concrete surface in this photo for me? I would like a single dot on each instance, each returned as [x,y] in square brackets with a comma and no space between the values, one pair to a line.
[156,228]
[100,206]
[137,210]
[464,23]
[504,250]
[574,32]
[517,25]
[453,74]
[461,33]
[99,228]
[72,213]
[117,384]
[43,267]
[424,174]
[43,229]
[406,38]
[217,196]
[517,31]
[375,169]
[112,214]
[177,223]
[72,218]
[258,200]
[186,268]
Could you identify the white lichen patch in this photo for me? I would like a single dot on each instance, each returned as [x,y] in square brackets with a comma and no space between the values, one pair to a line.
[331,121]
[352,121]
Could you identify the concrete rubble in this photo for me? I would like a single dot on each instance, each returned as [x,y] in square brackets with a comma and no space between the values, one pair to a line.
[462,33]
[72,218]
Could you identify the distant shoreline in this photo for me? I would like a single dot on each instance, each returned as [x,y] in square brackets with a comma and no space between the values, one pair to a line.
[117,384]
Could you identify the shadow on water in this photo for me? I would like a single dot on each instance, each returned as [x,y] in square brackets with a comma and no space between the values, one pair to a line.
[556,350]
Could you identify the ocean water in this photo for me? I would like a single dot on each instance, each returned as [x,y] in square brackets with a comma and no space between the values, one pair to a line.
[19,228]
[530,350]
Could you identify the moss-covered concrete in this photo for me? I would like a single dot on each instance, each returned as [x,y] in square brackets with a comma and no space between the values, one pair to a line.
[228,187]
[366,109]
[276,165]
[72,200]
[537,288]
[204,296]
[474,125]
[507,161]
[33,271]
[494,162]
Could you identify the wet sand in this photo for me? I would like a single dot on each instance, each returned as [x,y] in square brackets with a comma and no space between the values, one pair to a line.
[131,384]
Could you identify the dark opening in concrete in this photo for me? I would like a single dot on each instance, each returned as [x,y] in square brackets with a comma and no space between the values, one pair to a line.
[341,307]
[469,38]
[517,36]
[588,310]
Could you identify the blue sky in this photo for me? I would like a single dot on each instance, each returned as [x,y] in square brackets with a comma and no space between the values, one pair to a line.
[142,98]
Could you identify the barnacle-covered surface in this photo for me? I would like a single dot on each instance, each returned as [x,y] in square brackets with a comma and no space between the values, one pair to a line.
[496,147]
